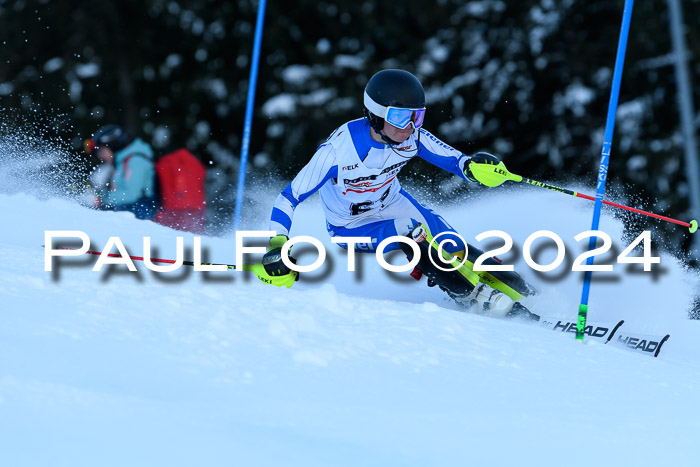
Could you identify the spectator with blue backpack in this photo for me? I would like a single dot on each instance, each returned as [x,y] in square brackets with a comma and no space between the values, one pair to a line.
[131,184]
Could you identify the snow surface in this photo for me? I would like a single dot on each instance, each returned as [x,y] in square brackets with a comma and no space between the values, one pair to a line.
[115,368]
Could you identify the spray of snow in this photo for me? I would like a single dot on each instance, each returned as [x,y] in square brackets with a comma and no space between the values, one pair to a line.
[345,368]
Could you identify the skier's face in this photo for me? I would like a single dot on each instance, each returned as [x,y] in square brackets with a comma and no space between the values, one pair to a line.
[105,154]
[397,134]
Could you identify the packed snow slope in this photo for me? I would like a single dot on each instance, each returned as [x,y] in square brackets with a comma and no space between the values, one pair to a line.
[366,368]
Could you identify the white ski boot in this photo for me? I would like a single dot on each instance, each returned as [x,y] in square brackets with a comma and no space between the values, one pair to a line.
[486,299]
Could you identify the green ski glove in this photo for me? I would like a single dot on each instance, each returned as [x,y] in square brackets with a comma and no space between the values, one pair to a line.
[486,169]
[272,260]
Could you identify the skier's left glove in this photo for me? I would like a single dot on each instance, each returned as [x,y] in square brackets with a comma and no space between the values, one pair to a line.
[272,260]
[486,169]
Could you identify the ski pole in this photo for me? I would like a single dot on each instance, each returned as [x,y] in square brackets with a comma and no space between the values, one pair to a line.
[244,267]
[256,268]
[495,175]
[692,225]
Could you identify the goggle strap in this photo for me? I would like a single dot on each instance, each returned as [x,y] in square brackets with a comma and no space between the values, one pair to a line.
[377,109]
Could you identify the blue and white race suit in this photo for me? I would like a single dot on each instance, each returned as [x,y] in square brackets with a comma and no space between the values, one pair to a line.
[356,178]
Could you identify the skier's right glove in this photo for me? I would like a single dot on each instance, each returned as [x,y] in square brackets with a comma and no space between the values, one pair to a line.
[272,260]
[486,169]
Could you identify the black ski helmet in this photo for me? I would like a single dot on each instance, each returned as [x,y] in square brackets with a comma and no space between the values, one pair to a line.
[391,88]
[113,137]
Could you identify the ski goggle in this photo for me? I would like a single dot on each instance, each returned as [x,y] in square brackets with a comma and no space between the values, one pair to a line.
[401,118]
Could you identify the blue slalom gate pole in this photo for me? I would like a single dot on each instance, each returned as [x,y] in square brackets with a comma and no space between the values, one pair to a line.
[604,160]
[247,125]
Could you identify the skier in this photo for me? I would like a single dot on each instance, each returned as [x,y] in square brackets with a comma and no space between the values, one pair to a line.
[125,181]
[355,171]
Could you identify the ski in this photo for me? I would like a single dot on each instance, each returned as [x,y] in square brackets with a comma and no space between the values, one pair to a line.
[599,331]
[611,333]
[642,343]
